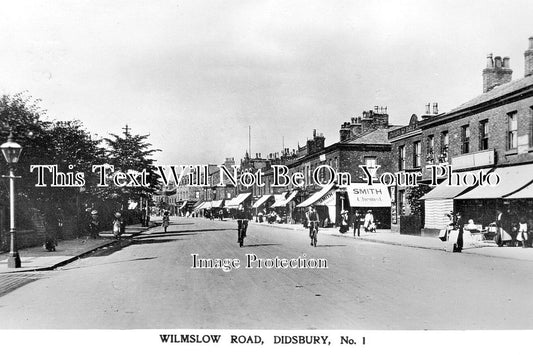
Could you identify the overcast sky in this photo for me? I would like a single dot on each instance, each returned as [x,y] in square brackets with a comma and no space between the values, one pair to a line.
[195,74]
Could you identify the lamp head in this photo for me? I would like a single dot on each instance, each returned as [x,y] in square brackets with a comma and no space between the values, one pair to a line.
[11,150]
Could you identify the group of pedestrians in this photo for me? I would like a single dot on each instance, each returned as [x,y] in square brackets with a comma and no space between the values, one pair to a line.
[506,230]
[367,222]
[117,224]
[512,230]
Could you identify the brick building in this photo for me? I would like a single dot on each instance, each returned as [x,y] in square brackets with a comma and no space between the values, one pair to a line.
[362,141]
[491,132]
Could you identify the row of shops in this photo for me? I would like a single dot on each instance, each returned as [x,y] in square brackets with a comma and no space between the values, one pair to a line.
[329,201]
[513,195]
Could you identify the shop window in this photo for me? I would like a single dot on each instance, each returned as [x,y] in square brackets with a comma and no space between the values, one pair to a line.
[484,135]
[512,126]
[465,139]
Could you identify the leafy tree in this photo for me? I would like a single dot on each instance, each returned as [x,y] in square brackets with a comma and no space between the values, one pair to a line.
[132,153]
[413,195]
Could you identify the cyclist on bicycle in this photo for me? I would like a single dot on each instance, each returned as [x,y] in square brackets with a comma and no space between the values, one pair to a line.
[312,222]
[242,221]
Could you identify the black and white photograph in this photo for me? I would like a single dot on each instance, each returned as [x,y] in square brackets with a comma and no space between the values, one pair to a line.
[266,176]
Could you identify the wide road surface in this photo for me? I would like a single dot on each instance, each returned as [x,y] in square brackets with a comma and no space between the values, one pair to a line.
[150,284]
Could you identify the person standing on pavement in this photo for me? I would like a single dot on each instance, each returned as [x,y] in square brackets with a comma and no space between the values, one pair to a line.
[117,225]
[522,232]
[504,227]
[344,226]
[357,223]
[369,224]
[94,224]
[459,225]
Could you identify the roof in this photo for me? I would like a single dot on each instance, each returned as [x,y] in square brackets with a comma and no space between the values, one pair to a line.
[497,92]
[377,136]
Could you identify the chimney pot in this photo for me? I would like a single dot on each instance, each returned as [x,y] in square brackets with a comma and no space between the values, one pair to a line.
[506,62]
[490,62]
[498,62]
[528,59]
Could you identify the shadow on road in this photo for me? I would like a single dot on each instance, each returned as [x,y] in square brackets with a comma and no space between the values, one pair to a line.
[330,245]
[162,234]
[154,241]
[113,262]
[10,282]
[259,245]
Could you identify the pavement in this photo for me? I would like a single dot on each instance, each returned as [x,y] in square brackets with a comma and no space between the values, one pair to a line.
[37,259]
[471,246]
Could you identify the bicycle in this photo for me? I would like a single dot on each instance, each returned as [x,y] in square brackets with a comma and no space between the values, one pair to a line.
[314,232]
[241,231]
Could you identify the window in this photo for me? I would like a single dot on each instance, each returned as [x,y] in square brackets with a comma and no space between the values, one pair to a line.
[417,152]
[443,157]
[465,139]
[512,137]
[401,158]
[484,135]
[430,149]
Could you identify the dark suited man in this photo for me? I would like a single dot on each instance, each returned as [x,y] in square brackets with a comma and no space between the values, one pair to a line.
[504,228]
[357,224]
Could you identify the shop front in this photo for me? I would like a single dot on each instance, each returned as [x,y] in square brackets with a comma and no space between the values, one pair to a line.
[325,202]
[373,199]
[512,196]
[441,200]
[244,199]
[286,206]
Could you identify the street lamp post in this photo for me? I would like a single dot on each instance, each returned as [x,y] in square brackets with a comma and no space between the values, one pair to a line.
[11,151]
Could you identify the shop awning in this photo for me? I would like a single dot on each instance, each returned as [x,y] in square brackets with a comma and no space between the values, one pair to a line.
[512,179]
[236,201]
[284,201]
[200,205]
[319,197]
[197,204]
[443,191]
[261,201]
[363,195]
[217,203]
[526,192]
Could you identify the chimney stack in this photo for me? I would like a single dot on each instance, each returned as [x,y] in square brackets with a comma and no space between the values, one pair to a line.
[528,59]
[496,73]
